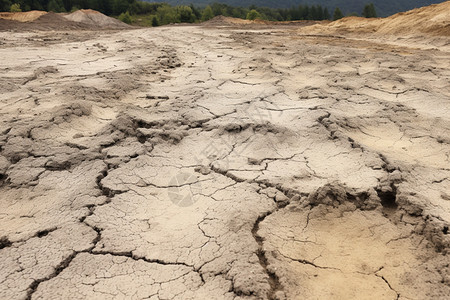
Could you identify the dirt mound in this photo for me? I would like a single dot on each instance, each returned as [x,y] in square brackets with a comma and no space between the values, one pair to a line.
[229,21]
[47,21]
[226,21]
[28,16]
[95,18]
[433,19]
[84,19]
[53,21]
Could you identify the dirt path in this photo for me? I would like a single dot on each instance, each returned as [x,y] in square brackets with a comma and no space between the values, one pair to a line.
[214,163]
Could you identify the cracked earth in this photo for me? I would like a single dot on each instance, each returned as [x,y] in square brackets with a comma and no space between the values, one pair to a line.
[189,162]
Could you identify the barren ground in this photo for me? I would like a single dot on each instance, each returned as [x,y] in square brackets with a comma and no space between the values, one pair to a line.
[193,162]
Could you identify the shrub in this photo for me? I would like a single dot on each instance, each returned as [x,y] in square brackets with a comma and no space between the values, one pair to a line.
[155,21]
[369,11]
[15,8]
[253,15]
[337,14]
[56,6]
[207,14]
[125,17]
[186,14]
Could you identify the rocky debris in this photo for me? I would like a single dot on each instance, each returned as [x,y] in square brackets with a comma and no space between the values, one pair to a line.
[232,165]
[64,113]
[39,72]
[4,165]
[333,194]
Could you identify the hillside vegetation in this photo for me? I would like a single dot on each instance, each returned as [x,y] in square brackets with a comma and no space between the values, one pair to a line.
[154,14]
[383,7]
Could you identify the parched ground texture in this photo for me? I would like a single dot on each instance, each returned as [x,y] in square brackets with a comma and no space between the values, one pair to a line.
[191,162]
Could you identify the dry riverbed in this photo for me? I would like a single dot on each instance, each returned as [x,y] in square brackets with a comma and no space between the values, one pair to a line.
[192,162]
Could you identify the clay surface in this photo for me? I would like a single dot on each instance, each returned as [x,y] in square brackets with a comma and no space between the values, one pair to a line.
[203,162]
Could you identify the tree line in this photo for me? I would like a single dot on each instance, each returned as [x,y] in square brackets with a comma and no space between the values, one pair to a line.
[154,14]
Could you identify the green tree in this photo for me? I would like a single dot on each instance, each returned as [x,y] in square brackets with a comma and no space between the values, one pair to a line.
[253,15]
[224,12]
[326,14]
[119,6]
[167,15]
[296,13]
[239,12]
[56,6]
[207,14]
[337,14]
[37,5]
[155,22]
[319,13]
[133,8]
[305,12]
[5,5]
[107,6]
[369,11]
[15,8]
[186,14]
[196,12]
[125,17]
[217,8]
[312,14]
[93,4]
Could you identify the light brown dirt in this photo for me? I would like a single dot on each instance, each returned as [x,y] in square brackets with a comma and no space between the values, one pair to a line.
[28,16]
[190,162]
[230,22]
[222,20]
[84,19]
[95,19]
[430,20]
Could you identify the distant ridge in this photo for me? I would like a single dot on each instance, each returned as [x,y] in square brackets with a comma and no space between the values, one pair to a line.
[384,8]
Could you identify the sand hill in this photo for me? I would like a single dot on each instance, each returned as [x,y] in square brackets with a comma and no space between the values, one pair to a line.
[28,16]
[224,21]
[41,20]
[95,18]
[433,19]
[230,21]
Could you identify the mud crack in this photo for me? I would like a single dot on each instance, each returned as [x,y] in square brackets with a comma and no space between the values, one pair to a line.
[273,279]
[64,264]
[389,285]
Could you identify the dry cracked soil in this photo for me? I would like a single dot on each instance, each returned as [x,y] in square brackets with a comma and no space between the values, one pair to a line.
[190,162]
